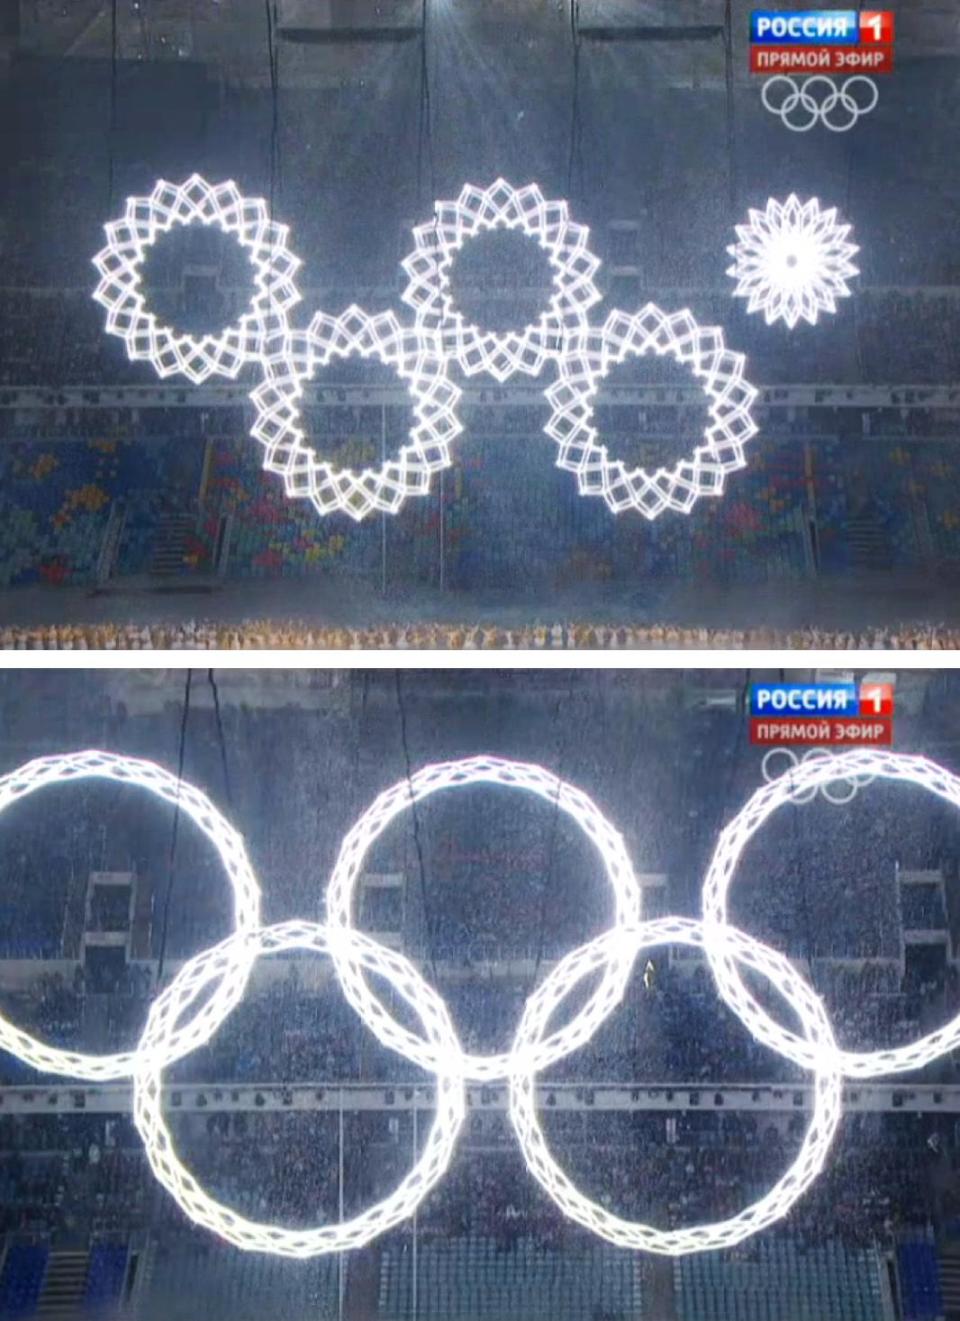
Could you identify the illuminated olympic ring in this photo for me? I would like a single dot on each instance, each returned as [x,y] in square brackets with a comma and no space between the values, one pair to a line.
[739,948]
[292,359]
[223,961]
[820,111]
[855,782]
[422,354]
[68,769]
[218,976]
[562,797]
[120,265]
[816,772]
[476,211]
[587,358]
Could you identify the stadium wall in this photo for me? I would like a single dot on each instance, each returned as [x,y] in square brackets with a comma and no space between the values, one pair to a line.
[499,520]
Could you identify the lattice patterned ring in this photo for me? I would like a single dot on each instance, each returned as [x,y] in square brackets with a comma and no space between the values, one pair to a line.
[591,958]
[417,358]
[232,957]
[501,206]
[562,797]
[145,220]
[730,845]
[586,360]
[792,261]
[70,767]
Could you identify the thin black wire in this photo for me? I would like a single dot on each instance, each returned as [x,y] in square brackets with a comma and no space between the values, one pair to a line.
[221,740]
[576,126]
[171,862]
[425,123]
[273,55]
[111,149]
[418,844]
[729,81]
[547,884]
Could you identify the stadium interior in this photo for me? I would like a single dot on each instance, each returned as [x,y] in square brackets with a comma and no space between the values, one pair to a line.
[134,510]
[293,1113]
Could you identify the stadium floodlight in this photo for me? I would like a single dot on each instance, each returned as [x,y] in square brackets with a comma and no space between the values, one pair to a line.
[291,359]
[792,261]
[479,210]
[562,797]
[144,222]
[587,358]
[68,768]
[812,774]
[232,958]
[736,947]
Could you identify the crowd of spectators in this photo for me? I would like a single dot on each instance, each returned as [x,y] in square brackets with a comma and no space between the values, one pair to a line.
[295,635]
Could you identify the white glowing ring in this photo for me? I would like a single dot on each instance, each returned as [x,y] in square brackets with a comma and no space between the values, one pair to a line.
[233,957]
[70,767]
[792,261]
[789,1187]
[457,775]
[587,358]
[501,206]
[416,357]
[730,845]
[120,291]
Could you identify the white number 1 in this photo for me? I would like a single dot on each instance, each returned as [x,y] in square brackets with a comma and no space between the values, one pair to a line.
[873,21]
[874,695]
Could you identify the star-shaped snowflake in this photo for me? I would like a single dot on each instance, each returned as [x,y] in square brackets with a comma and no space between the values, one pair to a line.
[792,260]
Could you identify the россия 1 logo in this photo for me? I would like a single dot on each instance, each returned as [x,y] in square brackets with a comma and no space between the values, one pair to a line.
[821,41]
[821,713]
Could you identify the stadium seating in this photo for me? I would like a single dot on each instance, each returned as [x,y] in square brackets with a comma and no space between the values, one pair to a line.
[21,1279]
[772,1278]
[474,1277]
[920,1293]
[187,1283]
[107,1271]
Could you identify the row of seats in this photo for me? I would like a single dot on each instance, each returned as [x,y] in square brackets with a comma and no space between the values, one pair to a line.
[776,1277]
[187,1283]
[474,1278]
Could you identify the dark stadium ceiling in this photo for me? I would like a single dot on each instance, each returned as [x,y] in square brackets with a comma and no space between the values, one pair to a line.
[320,40]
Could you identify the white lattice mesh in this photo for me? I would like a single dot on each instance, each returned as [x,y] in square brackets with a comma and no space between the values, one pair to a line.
[292,359]
[813,774]
[69,767]
[478,210]
[587,358]
[233,957]
[738,947]
[144,222]
[459,774]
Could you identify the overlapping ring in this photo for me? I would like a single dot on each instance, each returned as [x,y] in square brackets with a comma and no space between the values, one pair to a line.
[226,967]
[855,783]
[819,111]
[423,352]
